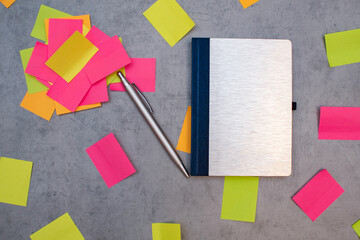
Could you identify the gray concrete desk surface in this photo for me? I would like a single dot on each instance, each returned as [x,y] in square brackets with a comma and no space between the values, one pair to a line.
[65,180]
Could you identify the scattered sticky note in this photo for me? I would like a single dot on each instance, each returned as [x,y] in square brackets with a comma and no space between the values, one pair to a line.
[184,143]
[166,231]
[343,47]
[240,198]
[114,78]
[7,3]
[33,85]
[96,36]
[318,194]
[356,227]
[85,21]
[45,13]
[15,178]
[60,109]
[142,72]
[110,160]
[62,228]
[72,56]
[170,20]
[97,93]
[39,104]
[247,3]
[339,123]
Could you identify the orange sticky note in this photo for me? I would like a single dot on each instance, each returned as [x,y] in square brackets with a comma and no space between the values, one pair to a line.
[86,22]
[7,3]
[39,104]
[60,109]
[247,3]
[184,143]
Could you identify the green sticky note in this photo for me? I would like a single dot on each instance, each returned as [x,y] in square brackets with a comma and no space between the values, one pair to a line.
[45,13]
[33,85]
[343,47]
[114,78]
[166,231]
[15,178]
[240,198]
[170,20]
[62,228]
[356,227]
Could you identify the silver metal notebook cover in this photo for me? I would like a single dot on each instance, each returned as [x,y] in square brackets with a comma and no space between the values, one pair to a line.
[250,125]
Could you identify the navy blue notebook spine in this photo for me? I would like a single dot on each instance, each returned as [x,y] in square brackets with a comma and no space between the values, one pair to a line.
[200,106]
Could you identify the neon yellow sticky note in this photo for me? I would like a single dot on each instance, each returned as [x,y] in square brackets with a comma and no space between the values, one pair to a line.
[247,3]
[15,178]
[170,20]
[240,198]
[33,85]
[44,13]
[166,231]
[62,228]
[114,78]
[72,56]
[184,143]
[356,227]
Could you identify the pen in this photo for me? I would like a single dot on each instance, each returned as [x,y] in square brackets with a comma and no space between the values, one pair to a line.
[146,110]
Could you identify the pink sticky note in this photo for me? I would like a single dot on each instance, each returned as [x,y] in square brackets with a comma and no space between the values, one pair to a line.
[318,194]
[96,36]
[110,57]
[339,123]
[60,30]
[46,83]
[142,72]
[110,160]
[57,89]
[36,66]
[97,93]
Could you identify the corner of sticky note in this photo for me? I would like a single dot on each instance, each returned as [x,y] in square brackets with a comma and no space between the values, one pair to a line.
[184,143]
[247,3]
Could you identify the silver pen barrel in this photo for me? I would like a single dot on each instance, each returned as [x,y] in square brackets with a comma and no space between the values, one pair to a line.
[153,124]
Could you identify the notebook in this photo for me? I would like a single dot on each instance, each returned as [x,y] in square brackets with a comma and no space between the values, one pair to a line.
[241,107]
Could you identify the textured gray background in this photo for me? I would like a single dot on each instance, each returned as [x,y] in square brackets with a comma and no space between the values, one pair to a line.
[65,180]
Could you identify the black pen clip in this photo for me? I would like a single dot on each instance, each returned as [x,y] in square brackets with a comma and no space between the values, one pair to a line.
[143,98]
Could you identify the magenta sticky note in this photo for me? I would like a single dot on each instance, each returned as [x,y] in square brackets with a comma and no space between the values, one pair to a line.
[339,123]
[318,194]
[60,30]
[142,72]
[57,89]
[110,57]
[36,66]
[96,36]
[110,160]
[97,93]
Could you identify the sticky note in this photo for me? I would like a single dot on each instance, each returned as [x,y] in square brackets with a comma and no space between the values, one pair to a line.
[85,21]
[36,65]
[110,160]
[15,178]
[110,57]
[96,36]
[318,194]
[45,13]
[170,20]
[72,56]
[60,30]
[97,93]
[339,123]
[60,109]
[184,143]
[39,104]
[166,231]
[356,227]
[7,3]
[114,78]
[247,3]
[62,228]
[240,198]
[343,47]
[44,82]
[33,85]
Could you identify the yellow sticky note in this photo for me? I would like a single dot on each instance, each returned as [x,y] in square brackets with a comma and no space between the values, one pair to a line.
[7,3]
[247,3]
[62,228]
[86,22]
[184,143]
[60,109]
[40,104]
[72,56]
[166,231]
[170,20]
[14,180]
